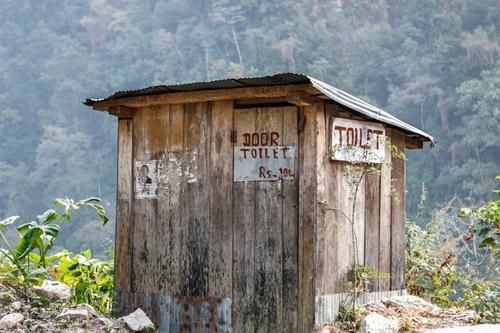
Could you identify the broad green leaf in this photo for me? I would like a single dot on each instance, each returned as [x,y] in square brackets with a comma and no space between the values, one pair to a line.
[8,221]
[56,256]
[47,217]
[23,228]
[28,242]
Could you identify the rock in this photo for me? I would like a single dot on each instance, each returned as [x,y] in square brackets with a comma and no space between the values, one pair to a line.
[105,322]
[78,313]
[53,290]
[16,305]
[375,323]
[89,308]
[409,302]
[138,321]
[11,320]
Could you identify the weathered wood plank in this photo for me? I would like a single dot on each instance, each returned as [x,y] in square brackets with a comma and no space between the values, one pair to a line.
[200,96]
[124,221]
[359,213]
[195,216]
[144,236]
[331,232]
[290,195]
[268,237]
[384,261]
[398,214]
[157,120]
[176,128]
[372,224]
[244,235]
[343,201]
[122,112]
[176,144]
[307,218]
[322,261]
[300,98]
[221,215]
[170,206]
[333,217]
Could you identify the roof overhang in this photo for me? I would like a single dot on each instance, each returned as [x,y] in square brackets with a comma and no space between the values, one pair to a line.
[288,85]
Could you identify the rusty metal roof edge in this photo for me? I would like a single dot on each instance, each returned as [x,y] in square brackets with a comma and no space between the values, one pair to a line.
[331,92]
[272,80]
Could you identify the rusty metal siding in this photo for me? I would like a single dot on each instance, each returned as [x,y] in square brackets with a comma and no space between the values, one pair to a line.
[181,313]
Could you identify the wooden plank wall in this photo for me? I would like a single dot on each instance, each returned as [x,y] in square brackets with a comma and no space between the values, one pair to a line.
[265,270]
[379,216]
[384,253]
[307,215]
[123,270]
[212,238]
[244,217]
[251,242]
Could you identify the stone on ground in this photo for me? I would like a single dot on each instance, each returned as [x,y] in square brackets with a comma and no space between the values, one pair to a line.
[78,313]
[53,290]
[138,321]
[11,320]
[375,323]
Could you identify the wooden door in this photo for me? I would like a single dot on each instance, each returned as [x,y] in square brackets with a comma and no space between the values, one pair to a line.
[265,225]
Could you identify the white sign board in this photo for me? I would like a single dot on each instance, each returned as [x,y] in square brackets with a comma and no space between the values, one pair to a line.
[260,163]
[357,141]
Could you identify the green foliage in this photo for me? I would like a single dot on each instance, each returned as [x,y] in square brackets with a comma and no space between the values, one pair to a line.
[430,265]
[360,277]
[26,262]
[447,269]
[91,279]
[485,223]
[434,65]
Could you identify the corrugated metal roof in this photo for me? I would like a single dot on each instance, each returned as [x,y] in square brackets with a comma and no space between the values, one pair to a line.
[273,80]
[335,94]
[366,109]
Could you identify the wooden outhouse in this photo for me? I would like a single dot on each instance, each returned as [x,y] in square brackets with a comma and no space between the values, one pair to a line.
[236,197]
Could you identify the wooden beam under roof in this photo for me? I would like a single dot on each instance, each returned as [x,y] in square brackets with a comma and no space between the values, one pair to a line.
[199,96]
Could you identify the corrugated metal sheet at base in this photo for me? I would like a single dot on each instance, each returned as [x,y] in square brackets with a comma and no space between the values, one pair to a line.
[327,306]
[174,314]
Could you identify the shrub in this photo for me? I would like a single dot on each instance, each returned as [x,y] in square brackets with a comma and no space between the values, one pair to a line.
[91,279]
[31,260]
[449,270]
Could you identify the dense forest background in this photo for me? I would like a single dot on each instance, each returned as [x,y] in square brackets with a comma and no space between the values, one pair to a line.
[433,63]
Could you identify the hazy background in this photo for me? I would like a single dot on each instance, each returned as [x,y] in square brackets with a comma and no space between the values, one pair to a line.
[432,63]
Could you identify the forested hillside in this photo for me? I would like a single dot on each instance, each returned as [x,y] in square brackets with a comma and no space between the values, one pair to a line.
[433,63]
